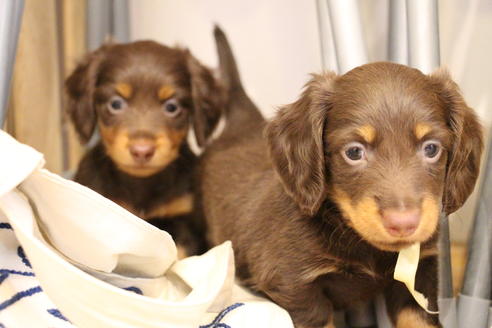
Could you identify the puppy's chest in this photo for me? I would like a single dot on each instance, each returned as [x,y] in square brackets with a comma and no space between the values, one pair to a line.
[158,198]
[345,282]
[160,207]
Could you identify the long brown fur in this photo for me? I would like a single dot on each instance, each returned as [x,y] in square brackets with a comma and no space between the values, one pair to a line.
[309,230]
[143,160]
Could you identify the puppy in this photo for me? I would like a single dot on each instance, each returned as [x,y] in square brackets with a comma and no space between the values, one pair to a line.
[357,169]
[144,97]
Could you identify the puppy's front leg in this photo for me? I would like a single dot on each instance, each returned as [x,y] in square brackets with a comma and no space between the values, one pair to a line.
[404,310]
[307,305]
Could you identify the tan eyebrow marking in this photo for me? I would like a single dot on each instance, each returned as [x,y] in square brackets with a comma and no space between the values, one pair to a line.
[367,132]
[166,91]
[421,129]
[124,89]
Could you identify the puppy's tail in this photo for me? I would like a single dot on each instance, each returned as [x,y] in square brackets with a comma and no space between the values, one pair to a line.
[241,111]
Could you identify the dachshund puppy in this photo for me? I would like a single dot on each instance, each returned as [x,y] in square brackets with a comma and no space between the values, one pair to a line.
[357,169]
[144,97]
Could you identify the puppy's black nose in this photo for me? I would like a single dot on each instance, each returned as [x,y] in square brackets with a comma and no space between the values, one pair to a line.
[142,152]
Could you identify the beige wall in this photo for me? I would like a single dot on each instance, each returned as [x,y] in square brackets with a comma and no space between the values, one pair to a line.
[277,45]
[275,41]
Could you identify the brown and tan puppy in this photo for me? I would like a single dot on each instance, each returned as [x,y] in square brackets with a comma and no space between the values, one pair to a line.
[355,170]
[143,97]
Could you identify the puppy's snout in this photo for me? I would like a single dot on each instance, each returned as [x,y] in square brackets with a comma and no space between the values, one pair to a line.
[142,151]
[401,223]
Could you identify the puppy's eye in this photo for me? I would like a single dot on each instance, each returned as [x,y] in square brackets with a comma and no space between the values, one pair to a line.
[354,153]
[116,104]
[431,150]
[172,108]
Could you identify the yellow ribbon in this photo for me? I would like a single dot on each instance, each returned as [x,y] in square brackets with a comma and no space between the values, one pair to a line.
[405,271]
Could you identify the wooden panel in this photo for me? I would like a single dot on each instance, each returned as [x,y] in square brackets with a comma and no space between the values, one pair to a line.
[35,103]
[74,39]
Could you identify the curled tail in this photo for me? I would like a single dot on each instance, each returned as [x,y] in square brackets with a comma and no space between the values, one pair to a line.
[241,111]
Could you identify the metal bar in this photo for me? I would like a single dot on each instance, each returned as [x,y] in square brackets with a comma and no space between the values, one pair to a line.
[327,46]
[65,145]
[474,302]
[10,22]
[361,316]
[446,281]
[423,34]
[339,319]
[446,301]
[398,41]
[349,52]
[121,19]
[347,34]
[424,54]
[382,313]
[99,22]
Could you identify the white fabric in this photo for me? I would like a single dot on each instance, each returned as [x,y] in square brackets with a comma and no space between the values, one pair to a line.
[85,251]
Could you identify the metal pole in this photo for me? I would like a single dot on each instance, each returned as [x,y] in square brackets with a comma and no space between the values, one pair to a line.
[424,54]
[350,52]
[327,46]
[121,20]
[362,316]
[446,300]
[382,313]
[347,34]
[423,34]
[398,41]
[474,302]
[99,22]
[10,22]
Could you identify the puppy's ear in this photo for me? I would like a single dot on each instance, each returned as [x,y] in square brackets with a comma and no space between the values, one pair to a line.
[208,99]
[80,86]
[295,139]
[464,158]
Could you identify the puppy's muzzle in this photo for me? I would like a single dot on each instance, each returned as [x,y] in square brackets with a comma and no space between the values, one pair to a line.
[401,223]
[142,150]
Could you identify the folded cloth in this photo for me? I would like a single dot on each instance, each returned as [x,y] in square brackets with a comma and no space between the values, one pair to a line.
[70,257]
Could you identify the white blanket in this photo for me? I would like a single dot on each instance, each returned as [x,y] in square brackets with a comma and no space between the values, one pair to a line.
[69,257]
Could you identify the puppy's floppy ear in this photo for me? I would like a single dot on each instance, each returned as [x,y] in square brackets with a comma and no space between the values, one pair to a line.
[295,139]
[208,99]
[464,158]
[80,86]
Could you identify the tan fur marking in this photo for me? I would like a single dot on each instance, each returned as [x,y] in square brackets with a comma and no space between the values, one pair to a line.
[369,271]
[367,132]
[109,136]
[165,92]
[428,252]
[365,218]
[124,89]
[430,216]
[176,137]
[116,141]
[128,207]
[177,206]
[409,318]
[181,252]
[338,266]
[421,129]
[330,324]
[314,273]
